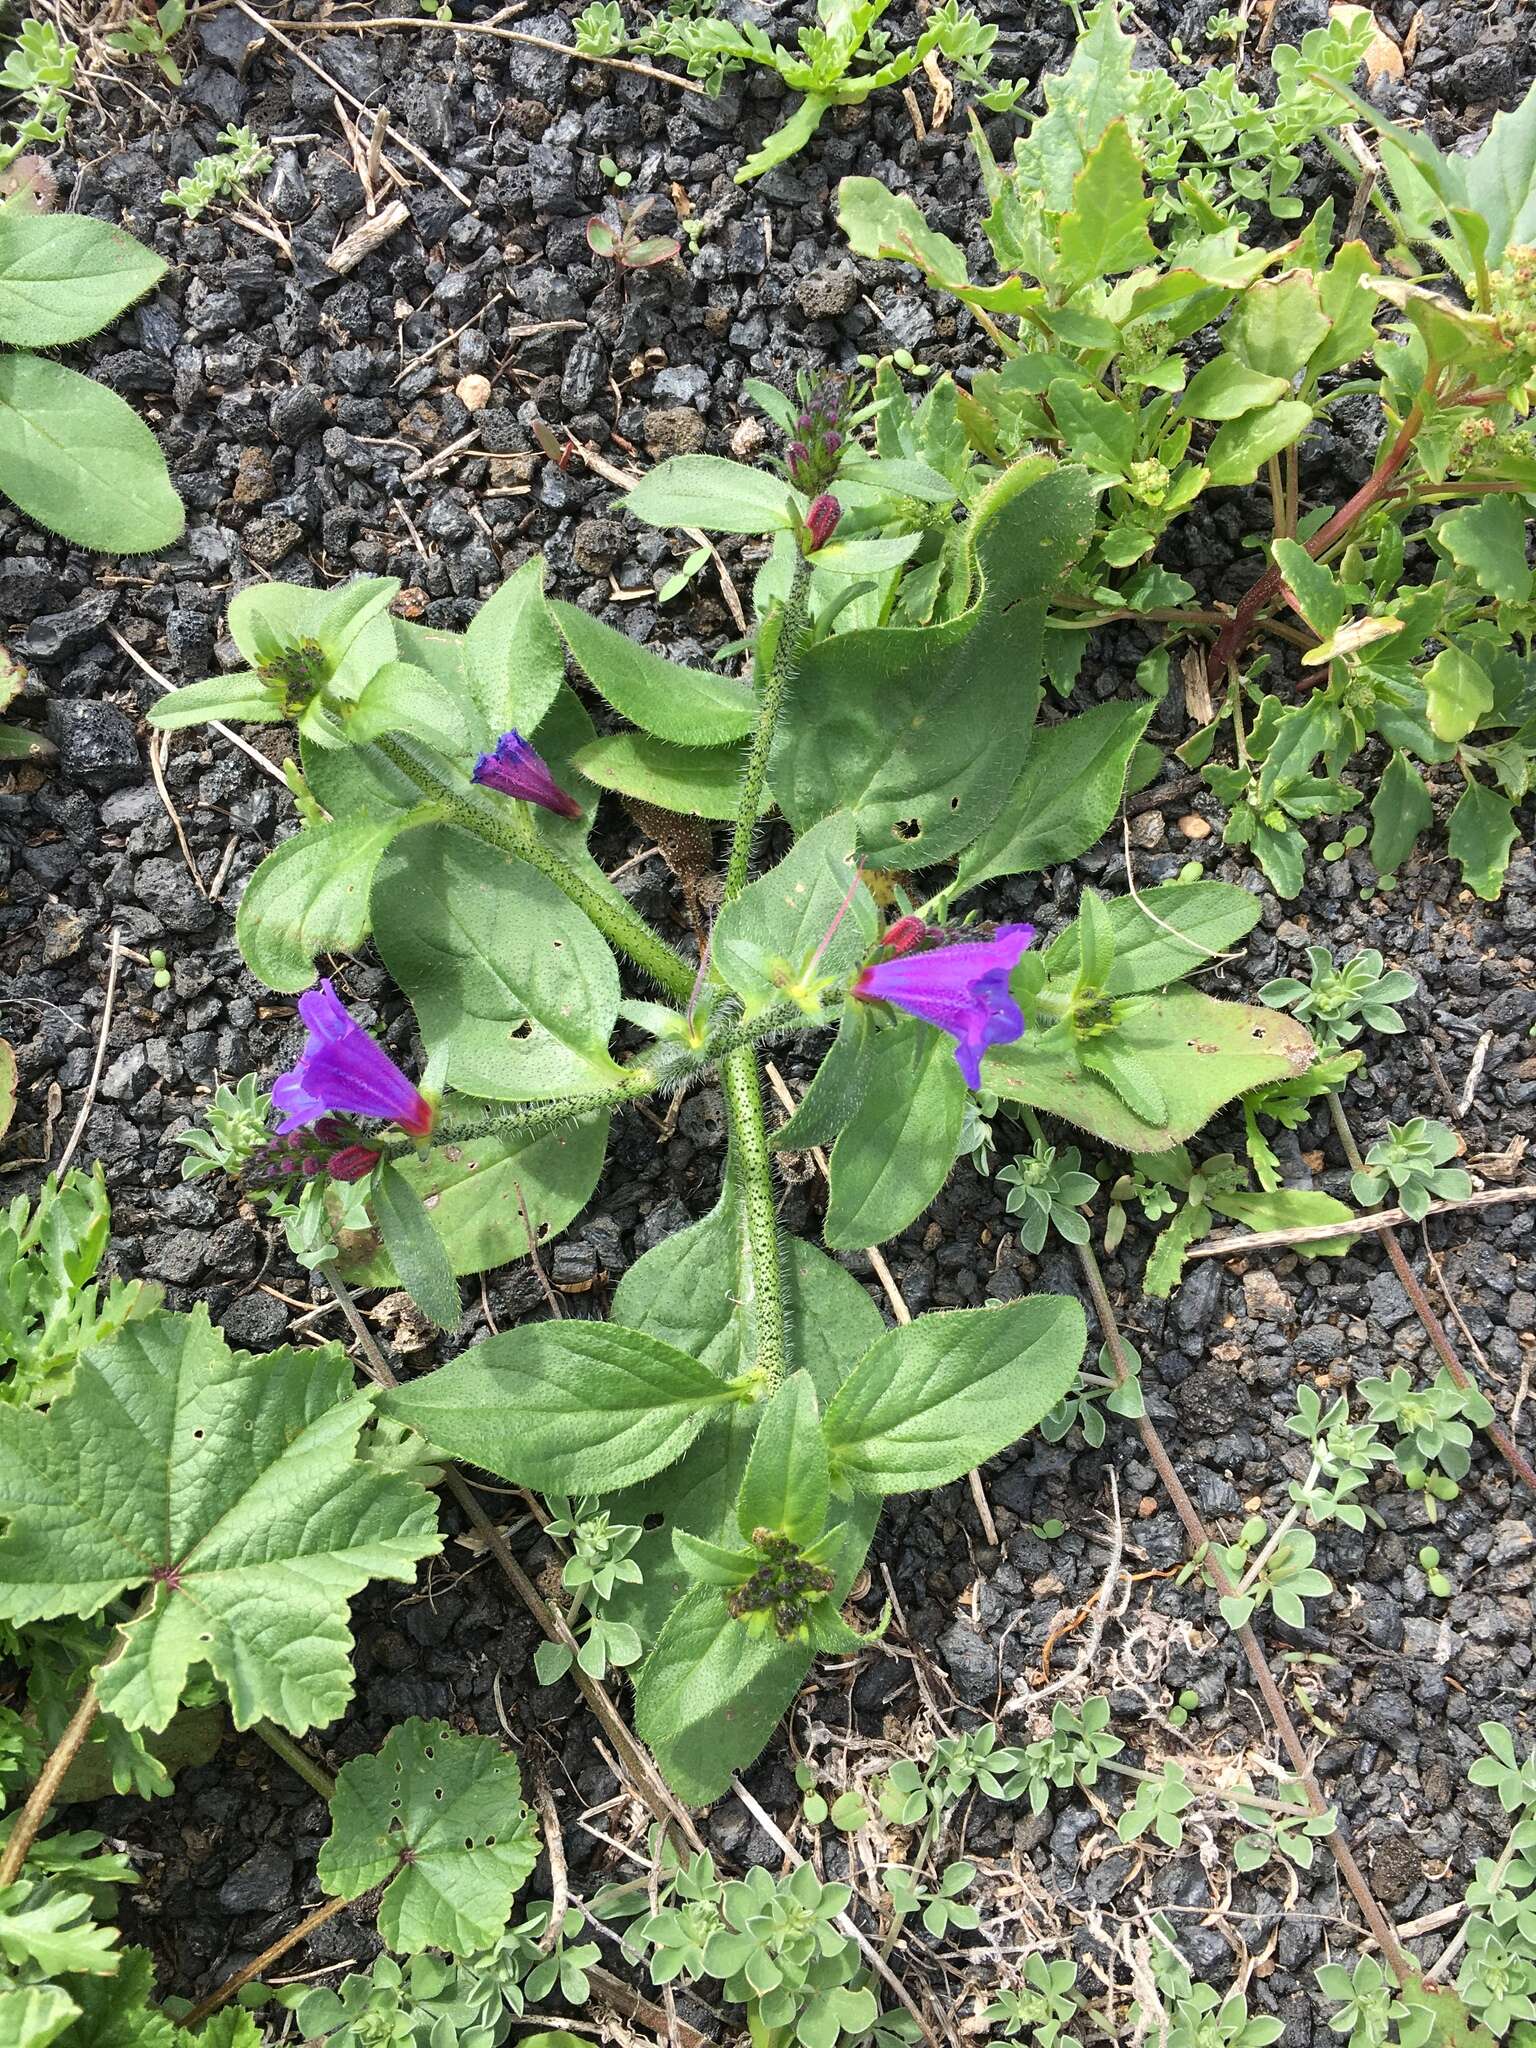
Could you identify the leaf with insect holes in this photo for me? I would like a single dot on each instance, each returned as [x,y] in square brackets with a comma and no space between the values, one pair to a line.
[449,1809]
[227,1485]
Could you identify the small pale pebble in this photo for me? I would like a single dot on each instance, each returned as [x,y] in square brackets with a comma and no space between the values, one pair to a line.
[473,392]
[748,439]
[1194,826]
[1147,830]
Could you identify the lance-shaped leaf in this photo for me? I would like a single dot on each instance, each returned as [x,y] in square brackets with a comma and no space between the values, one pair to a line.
[64,276]
[1160,935]
[690,707]
[447,1807]
[896,1150]
[227,1486]
[695,782]
[933,1399]
[785,1489]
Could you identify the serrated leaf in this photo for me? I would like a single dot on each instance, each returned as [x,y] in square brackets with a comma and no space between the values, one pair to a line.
[64,276]
[34,2015]
[229,1484]
[897,1149]
[1066,798]
[512,986]
[310,897]
[1488,537]
[1228,388]
[933,1399]
[54,1931]
[79,461]
[567,1407]
[1277,324]
[1319,596]
[1482,831]
[452,1805]
[1106,230]
[1501,180]
[688,707]
[881,223]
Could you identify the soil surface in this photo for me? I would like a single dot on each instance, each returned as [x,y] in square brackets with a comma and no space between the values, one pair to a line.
[313,427]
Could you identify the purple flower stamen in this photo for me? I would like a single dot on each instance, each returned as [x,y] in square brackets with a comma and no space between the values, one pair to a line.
[960,989]
[517,769]
[342,1069]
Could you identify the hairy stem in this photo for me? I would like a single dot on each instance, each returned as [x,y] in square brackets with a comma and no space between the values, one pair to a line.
[1400,1964]
[1495,1431]
[739,1072]
[509,831]
[1233,637]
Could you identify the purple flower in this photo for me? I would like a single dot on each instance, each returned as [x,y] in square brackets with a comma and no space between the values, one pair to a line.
[960,989]
[516,769]
[342,1069]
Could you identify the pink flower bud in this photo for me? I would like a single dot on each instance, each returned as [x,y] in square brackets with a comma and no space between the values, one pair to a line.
[352,1162]
[821,520]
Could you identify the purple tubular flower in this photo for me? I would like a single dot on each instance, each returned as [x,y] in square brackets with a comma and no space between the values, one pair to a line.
[341,1069]
[516,769]
[960,989]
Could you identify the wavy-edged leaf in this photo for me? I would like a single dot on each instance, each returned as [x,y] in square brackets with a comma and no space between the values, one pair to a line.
[451,1807]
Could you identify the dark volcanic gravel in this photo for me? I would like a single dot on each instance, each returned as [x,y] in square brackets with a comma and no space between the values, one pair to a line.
[309,420]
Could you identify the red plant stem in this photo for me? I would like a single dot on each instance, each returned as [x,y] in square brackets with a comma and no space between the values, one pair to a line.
[1234,636]
[1495,1431]
[1401,1965]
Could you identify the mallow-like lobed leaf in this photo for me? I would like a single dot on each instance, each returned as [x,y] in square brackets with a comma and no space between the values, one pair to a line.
[225,1487]
[441,1816]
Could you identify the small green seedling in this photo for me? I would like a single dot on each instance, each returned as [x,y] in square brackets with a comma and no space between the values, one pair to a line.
[1429,1564]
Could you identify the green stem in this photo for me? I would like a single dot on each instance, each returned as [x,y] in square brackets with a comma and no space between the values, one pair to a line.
[508,829]
[739,1071]
[793,622]
[297,1760]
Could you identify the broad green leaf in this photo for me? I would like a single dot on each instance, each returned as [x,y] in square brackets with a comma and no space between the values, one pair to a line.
[692,1291]
[1228,388]
[1488,538]
[920,732]
[311,897]
[709,1695]
[1277,323]
[879,223]
[1501,180]
[690,707]
[229,1485]
[1106,230]
[693,782]
[513,662]
[509,981]
[1482,831]
[1066,799]
[1351,309]
[64,276]
[897,1150]
[402,698]
[76,459]
[786,1489]
[449,1807]
[1096,88]
[1458,692]
[1207,918]
[472,1195]
[567,1407]
[716,496]
[245,698]
[937,1397]
[1400,811]
[1200,1052]
[415,1250]
[1240,449]
[763,942]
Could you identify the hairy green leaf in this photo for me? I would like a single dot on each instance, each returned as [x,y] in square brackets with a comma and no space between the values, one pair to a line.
[896,1151]
[1067,797]
[1206,919]
[786,1487]
[416,1251]
[690,707]
[310,897]
[933,1399]
[64,276]
[512,660]
[694,782]
[763,942]
[78,460]
[716,496]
